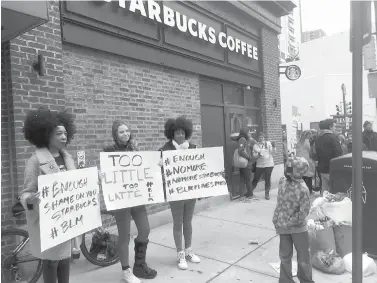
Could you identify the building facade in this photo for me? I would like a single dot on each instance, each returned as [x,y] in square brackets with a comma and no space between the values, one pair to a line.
[326,64]
[143,62]
[311,35]
[290,37]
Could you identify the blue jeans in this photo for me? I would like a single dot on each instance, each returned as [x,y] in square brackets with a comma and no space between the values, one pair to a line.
[304,268]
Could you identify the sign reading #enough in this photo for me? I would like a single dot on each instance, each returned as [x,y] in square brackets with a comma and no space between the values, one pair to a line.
[69,205]
[131,178]
[194,173]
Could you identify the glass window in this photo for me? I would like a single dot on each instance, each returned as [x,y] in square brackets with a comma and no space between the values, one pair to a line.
[233,95]
[253,122]
[210,92]
[252,97]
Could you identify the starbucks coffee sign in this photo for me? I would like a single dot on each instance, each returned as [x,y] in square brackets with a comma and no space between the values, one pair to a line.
[167,16]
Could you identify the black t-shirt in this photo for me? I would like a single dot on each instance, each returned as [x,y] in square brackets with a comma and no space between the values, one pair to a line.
[61,164]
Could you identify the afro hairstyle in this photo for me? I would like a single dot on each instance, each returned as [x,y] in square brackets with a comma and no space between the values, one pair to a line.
[40,124]
[171,125]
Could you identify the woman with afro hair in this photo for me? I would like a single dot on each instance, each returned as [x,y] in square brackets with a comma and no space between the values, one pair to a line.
[49,132]
[123,141]
[178,132]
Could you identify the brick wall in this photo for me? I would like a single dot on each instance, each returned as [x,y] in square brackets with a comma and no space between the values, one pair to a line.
[28,88]
[7,136]
[271,114]
[101,87]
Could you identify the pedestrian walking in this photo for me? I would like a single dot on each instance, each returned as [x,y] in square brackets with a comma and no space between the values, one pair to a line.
[369,136]
[49,132]
[123,141]
[292,208]
[327,147]
[265,163]
[178,132]
[303,149]
[245,149]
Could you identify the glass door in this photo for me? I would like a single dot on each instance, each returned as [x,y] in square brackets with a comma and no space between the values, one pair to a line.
[235,120]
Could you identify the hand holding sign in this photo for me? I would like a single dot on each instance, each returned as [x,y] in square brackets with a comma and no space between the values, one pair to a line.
[69,205]
[194,173]
[131,179]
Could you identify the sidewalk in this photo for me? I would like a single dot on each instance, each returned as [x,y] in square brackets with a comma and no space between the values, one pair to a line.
[220,237]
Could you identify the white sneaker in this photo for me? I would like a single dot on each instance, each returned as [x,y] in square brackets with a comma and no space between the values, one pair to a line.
[129,277]
[191,256]
[182,263]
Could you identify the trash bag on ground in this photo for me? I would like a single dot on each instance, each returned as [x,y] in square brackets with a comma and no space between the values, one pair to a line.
[369,266]
[329,262]
[321,235]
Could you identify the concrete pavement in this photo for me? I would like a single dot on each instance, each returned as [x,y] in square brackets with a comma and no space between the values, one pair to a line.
[220,237]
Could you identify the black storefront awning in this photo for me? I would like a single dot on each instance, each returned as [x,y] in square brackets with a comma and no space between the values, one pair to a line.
[18,17]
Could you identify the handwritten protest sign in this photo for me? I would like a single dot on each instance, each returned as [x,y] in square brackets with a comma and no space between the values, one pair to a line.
[194,173]
[131,178]
[69,205]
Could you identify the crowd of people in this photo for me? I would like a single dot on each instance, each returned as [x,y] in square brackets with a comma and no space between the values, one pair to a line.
[50,132]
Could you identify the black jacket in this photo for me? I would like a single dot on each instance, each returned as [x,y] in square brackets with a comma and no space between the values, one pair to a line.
[130,146]
[370,140]
[327,147]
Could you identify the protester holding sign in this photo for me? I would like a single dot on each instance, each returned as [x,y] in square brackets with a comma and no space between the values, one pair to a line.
[50,132]
[123,141]
[178,132]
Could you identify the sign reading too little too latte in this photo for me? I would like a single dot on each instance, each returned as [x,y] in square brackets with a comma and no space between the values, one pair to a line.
[131,179]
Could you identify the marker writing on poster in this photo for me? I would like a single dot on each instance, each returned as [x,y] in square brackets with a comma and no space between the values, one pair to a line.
[64,202]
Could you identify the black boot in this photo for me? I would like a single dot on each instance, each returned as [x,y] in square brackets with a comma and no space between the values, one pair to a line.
[141,269]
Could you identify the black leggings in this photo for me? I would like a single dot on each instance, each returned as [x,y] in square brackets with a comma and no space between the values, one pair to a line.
[56,271]
[309,183]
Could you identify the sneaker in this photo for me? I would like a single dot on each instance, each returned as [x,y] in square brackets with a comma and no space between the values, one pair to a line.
[191,256]
[182,263]
[267,196]
[128,277]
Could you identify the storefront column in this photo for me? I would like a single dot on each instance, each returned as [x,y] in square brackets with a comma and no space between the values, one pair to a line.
[271,104]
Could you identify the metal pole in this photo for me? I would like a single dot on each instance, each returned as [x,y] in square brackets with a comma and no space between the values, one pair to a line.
[344,112]
[357,116]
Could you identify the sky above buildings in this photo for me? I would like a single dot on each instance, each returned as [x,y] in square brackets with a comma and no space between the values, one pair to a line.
[332,16]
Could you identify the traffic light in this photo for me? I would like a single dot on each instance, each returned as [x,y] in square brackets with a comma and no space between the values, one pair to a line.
[338,110]
[349,108]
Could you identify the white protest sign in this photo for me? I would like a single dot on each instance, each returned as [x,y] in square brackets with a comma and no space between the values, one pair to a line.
[131,178]
[69,205]
[194,173]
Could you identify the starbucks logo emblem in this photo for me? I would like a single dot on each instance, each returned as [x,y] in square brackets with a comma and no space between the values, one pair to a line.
[293,72]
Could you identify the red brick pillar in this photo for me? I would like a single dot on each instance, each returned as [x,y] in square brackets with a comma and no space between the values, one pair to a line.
[271,92]
[29,90]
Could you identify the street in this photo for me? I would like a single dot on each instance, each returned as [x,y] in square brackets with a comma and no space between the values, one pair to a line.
[221,239]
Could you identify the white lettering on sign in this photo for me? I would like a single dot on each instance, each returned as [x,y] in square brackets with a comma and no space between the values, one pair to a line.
[173,19]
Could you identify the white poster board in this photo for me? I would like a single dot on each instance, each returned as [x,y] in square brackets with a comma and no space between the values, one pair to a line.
[194,173]
[69,205]
[131,178]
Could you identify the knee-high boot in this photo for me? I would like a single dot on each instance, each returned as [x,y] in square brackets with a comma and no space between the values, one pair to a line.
[141,269]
